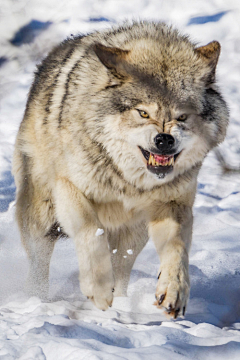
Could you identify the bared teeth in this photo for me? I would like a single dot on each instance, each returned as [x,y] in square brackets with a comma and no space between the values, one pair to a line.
[152,161]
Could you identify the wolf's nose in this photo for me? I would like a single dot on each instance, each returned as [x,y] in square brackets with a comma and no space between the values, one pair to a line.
[164,142]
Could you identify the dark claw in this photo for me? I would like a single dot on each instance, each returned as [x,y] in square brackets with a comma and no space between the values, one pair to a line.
[159,275]
[162,297]
[184,309]
[169,309]
[113,290]
[176,313]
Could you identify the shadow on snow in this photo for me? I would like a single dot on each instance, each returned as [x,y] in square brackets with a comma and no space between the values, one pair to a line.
[7,190]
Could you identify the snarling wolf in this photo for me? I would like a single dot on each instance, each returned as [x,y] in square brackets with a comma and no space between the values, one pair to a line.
[116,128]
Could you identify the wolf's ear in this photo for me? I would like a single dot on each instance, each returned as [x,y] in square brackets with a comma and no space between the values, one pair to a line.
[210,54]
[114,59]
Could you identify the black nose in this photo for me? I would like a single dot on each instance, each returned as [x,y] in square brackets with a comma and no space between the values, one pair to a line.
[164,142]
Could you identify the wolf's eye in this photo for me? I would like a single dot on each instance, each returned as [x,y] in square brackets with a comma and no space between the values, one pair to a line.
[143,114]
[182,117]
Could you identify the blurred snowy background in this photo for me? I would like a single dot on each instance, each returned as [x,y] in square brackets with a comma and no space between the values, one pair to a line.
[69,327]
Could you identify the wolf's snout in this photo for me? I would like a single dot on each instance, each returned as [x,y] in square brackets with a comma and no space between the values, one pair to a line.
[164,142]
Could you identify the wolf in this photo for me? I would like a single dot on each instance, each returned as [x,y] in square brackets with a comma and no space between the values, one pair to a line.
[116,127]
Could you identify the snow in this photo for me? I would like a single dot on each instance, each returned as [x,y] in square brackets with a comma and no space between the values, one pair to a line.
[99,232]
[69,326]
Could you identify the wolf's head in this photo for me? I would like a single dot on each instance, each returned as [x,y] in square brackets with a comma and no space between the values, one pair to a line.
[162,108]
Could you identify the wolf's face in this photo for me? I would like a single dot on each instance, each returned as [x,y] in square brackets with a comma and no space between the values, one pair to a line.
[167,113]
[168,144]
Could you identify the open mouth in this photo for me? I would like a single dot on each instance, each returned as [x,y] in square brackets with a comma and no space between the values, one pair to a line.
[160,165]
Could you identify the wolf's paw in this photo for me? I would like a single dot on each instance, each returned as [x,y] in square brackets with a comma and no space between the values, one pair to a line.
[100,292]
[172,291]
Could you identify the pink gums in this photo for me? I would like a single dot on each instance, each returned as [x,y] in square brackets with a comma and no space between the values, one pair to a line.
[161,159]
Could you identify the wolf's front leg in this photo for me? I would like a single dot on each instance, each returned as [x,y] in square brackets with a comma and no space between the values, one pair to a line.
[172,238]
[79,220]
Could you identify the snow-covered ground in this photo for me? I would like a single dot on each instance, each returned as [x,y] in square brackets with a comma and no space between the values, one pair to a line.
[69,327]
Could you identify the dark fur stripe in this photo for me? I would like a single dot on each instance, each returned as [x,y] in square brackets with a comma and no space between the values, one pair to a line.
[67,90]
[68,56]
[53,85]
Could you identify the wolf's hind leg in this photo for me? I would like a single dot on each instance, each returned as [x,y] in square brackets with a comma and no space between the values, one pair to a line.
[125,245]
[35,217]
[80,222]
[39,252]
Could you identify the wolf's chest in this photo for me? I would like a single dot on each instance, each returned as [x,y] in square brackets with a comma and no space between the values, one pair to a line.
[114,215]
